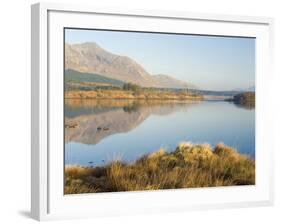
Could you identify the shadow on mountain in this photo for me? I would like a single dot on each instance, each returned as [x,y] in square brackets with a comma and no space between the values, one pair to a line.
[90,121]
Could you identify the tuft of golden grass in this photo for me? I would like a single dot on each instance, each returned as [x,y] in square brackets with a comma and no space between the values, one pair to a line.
[189,166]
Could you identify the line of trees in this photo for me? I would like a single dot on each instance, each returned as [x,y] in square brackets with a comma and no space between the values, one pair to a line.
[131,87]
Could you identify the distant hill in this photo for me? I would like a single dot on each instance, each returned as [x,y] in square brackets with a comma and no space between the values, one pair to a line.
[90,58]
[81,77]
[250,89]
[215,93]
[166,81]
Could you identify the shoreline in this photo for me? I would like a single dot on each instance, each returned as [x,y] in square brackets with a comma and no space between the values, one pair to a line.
[121,94]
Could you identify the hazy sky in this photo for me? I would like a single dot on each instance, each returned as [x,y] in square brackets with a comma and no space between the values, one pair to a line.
[214,63]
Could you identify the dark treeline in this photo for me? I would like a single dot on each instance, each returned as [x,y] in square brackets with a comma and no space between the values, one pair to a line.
[136,88]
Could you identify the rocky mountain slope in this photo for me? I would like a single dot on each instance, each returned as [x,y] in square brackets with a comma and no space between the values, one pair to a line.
[167,81]
[91,58]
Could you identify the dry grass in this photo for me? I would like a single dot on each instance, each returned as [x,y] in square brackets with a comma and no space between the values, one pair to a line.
[121,94]
[188,166]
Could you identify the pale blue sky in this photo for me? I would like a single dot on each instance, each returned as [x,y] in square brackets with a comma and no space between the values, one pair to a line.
[209,62]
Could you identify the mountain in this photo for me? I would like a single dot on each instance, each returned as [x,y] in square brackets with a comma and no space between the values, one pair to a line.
[91,58]
[167,81]
[250,89]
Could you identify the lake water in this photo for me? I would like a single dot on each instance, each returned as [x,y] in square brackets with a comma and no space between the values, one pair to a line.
[105,130]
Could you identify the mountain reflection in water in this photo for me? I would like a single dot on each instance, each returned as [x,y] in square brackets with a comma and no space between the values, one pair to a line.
[90,121]
[99,131]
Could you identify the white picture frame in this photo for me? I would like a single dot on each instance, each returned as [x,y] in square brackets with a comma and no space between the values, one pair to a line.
[48,201]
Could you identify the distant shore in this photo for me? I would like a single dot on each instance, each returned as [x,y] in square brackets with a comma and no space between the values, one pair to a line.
[122,94]
[246,99]
[189,166]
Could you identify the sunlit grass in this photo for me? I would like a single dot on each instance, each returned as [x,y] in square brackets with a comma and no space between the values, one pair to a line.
[189,166]
[122,94]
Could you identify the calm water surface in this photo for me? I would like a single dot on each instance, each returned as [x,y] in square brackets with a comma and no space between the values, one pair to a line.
[120,129]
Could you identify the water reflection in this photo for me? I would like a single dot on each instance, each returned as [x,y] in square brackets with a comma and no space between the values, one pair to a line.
[248,106]
[90,121]
[98,131]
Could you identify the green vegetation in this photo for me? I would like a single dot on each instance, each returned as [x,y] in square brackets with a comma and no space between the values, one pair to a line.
[79,85]
[189,166]
[131,86]
[72,76]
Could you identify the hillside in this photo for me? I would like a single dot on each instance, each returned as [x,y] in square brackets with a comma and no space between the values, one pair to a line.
[250,89]
[166,81]
[90,58]
[74,78]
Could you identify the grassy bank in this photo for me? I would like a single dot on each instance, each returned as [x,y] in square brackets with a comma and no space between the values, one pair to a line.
[188,166]
[127,94]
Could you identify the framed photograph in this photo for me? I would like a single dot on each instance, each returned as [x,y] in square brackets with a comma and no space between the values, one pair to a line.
[148,111]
